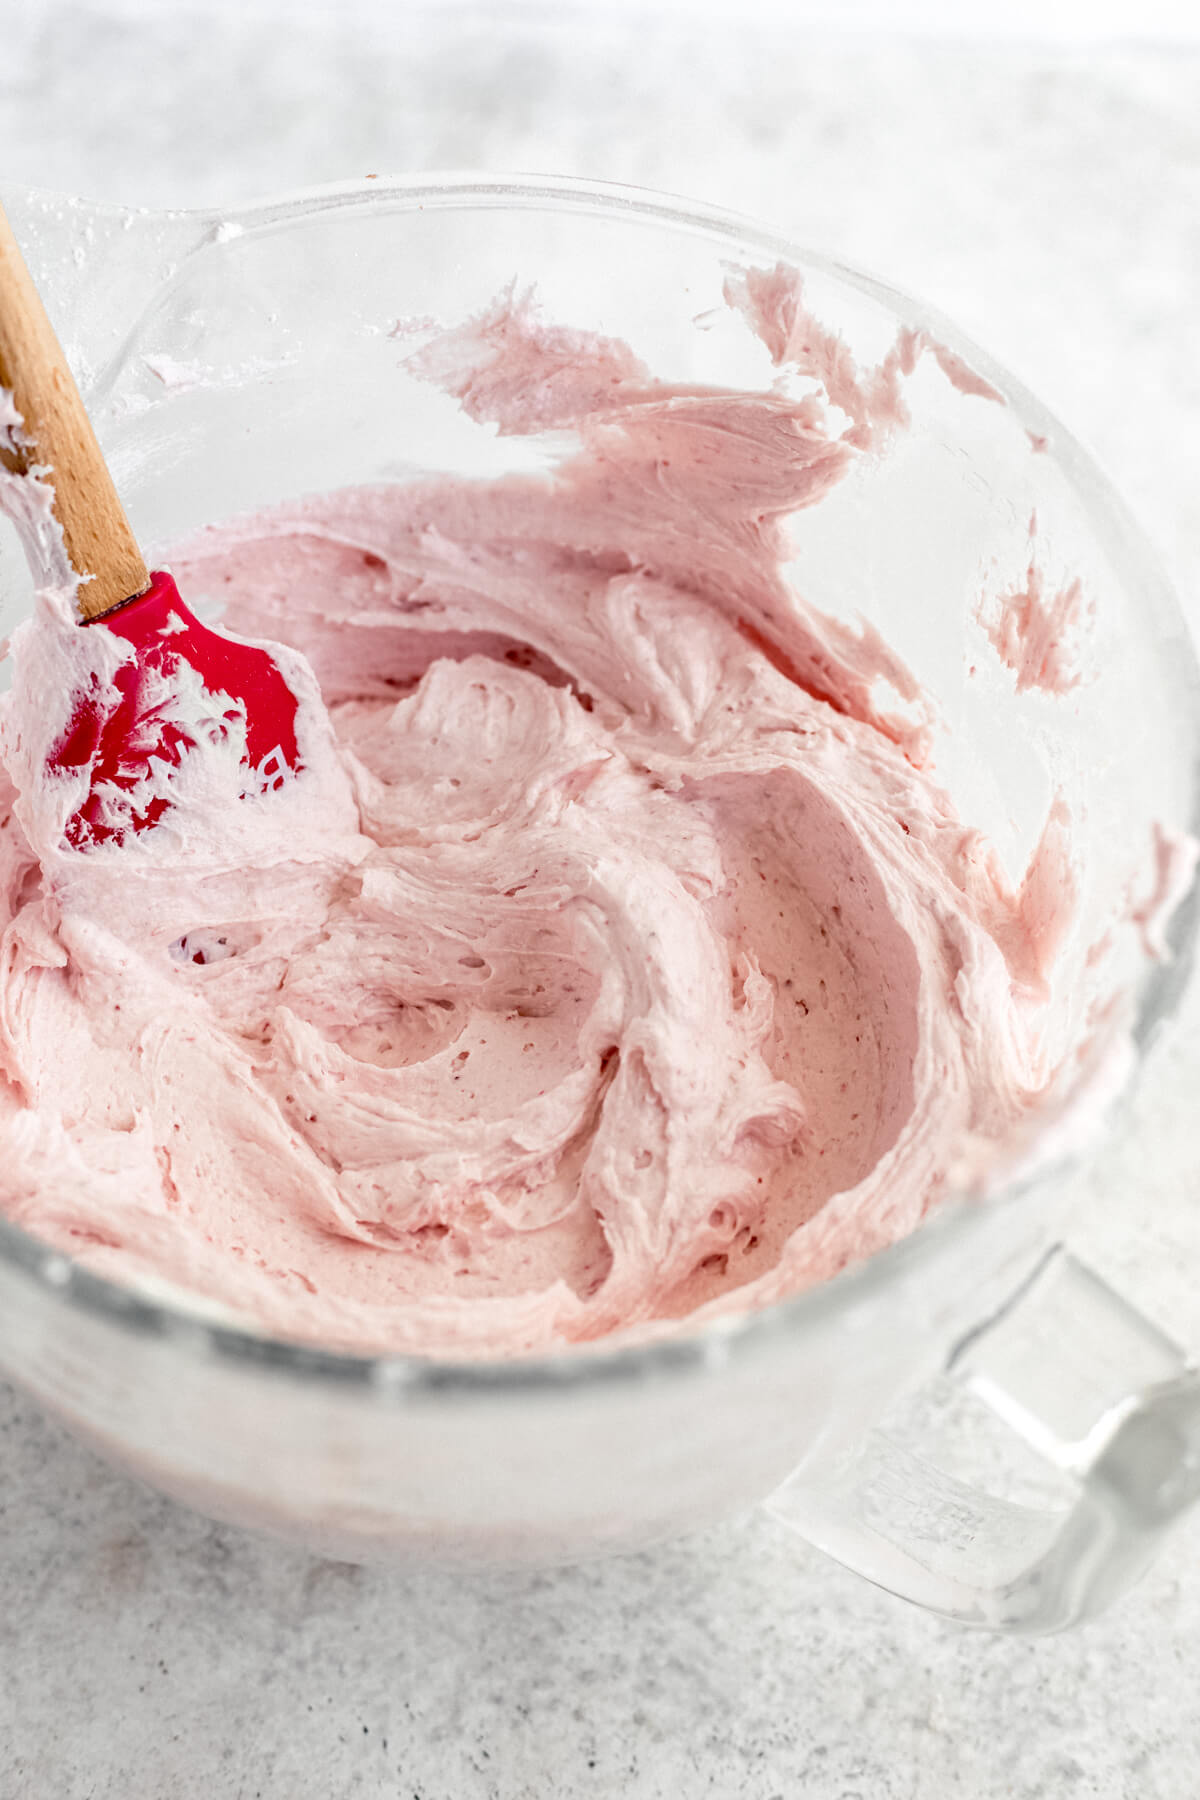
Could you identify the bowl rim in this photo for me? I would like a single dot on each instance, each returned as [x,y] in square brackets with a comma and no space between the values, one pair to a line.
[189,1322]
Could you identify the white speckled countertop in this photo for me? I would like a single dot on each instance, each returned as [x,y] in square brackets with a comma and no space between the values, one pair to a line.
[1049,200]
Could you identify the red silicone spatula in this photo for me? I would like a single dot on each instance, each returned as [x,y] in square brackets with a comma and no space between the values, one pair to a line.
[118,736]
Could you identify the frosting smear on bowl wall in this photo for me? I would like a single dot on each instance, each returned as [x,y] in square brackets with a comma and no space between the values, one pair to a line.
[614,957]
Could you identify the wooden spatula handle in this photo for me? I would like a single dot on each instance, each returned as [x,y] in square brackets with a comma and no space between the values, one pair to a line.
[98,536]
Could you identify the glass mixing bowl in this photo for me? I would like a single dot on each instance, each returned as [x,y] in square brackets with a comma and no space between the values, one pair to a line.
[279,317]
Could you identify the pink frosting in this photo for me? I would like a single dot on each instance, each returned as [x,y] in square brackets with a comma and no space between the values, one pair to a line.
[614,957]
[1037,633]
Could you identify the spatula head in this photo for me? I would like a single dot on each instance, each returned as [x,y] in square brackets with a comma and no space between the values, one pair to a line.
[119,733]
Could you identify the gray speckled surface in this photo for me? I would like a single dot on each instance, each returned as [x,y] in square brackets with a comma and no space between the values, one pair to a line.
[149,1654]
[1051,203]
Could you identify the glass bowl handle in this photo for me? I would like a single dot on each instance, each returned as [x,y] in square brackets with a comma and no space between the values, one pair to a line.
[1101,1395]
